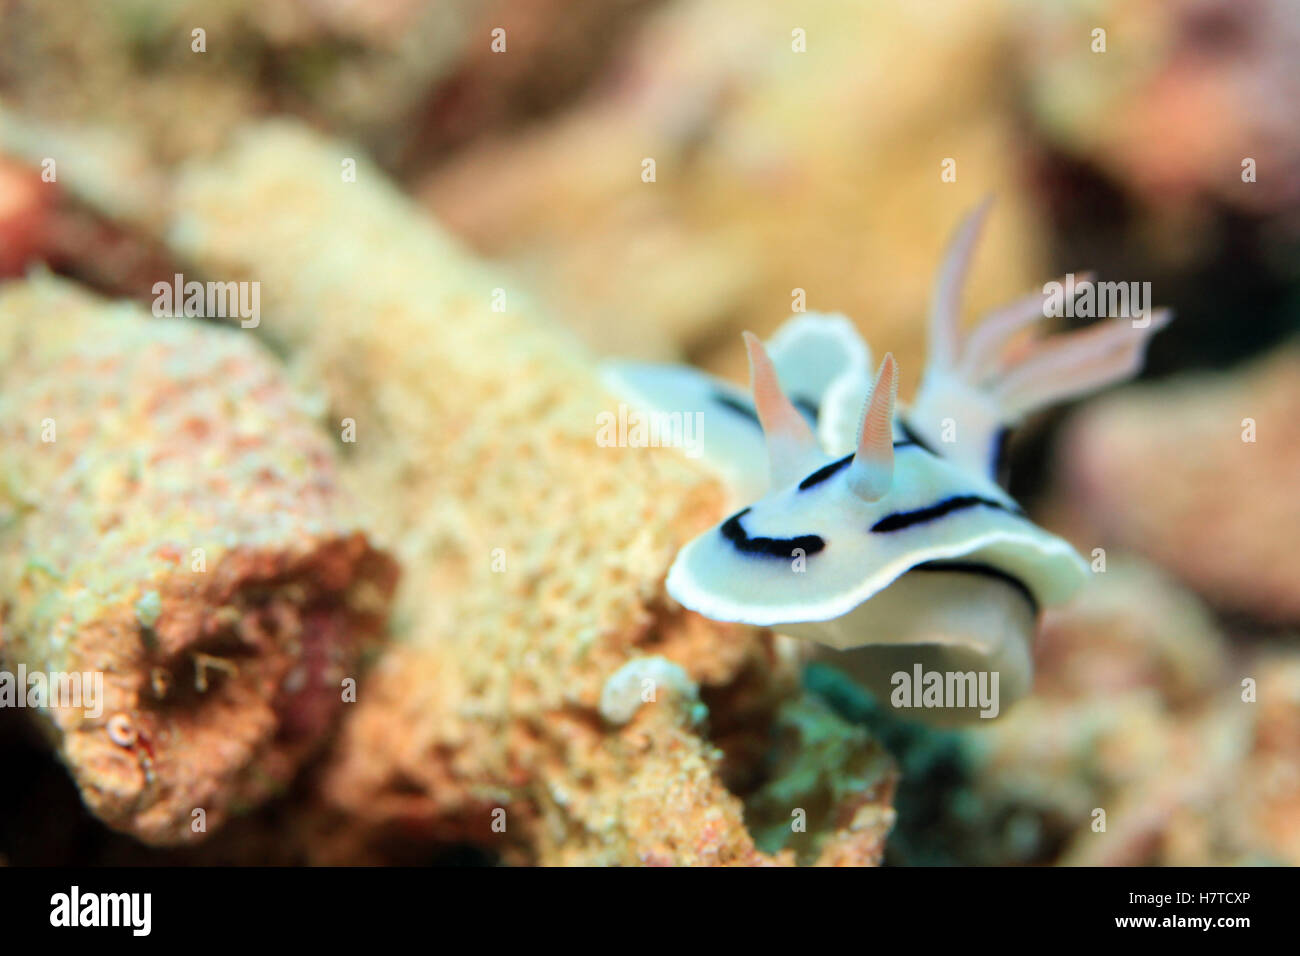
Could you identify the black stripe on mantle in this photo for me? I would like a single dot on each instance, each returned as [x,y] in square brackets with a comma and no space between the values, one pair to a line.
[984,570]
[735,532]
[902,520]
[827,471]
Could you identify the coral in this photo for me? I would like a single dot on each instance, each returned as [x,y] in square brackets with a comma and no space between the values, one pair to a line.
[1182,94]
[1099,645]
[133,66]
[405,78]
[171,519]
[533,558]
[650,794]
[1220,510]
[837,776]
[775,170]
[1269,815]
[194,537]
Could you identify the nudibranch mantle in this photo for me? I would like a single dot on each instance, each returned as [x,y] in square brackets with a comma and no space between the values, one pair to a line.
[825,369]
[887,527]
[852,548]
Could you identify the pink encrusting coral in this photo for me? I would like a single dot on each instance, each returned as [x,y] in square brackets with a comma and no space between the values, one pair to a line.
[171,521]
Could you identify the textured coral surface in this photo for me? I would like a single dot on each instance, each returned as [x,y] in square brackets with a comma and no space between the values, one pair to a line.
[170,517]
[533,558]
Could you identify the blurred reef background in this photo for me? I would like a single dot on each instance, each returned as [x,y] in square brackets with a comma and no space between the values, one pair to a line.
[1172,156]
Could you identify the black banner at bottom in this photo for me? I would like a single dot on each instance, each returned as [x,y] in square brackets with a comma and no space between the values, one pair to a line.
[303,906]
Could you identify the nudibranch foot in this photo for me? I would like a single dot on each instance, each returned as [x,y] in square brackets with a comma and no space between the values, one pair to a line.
[965,624]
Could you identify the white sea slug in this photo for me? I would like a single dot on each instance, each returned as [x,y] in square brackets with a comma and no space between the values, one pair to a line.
[883,535]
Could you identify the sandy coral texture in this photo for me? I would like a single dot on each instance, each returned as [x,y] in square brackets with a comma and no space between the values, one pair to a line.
[533,558]
[170,519]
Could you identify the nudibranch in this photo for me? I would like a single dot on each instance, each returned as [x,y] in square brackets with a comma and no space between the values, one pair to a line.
[886,529]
